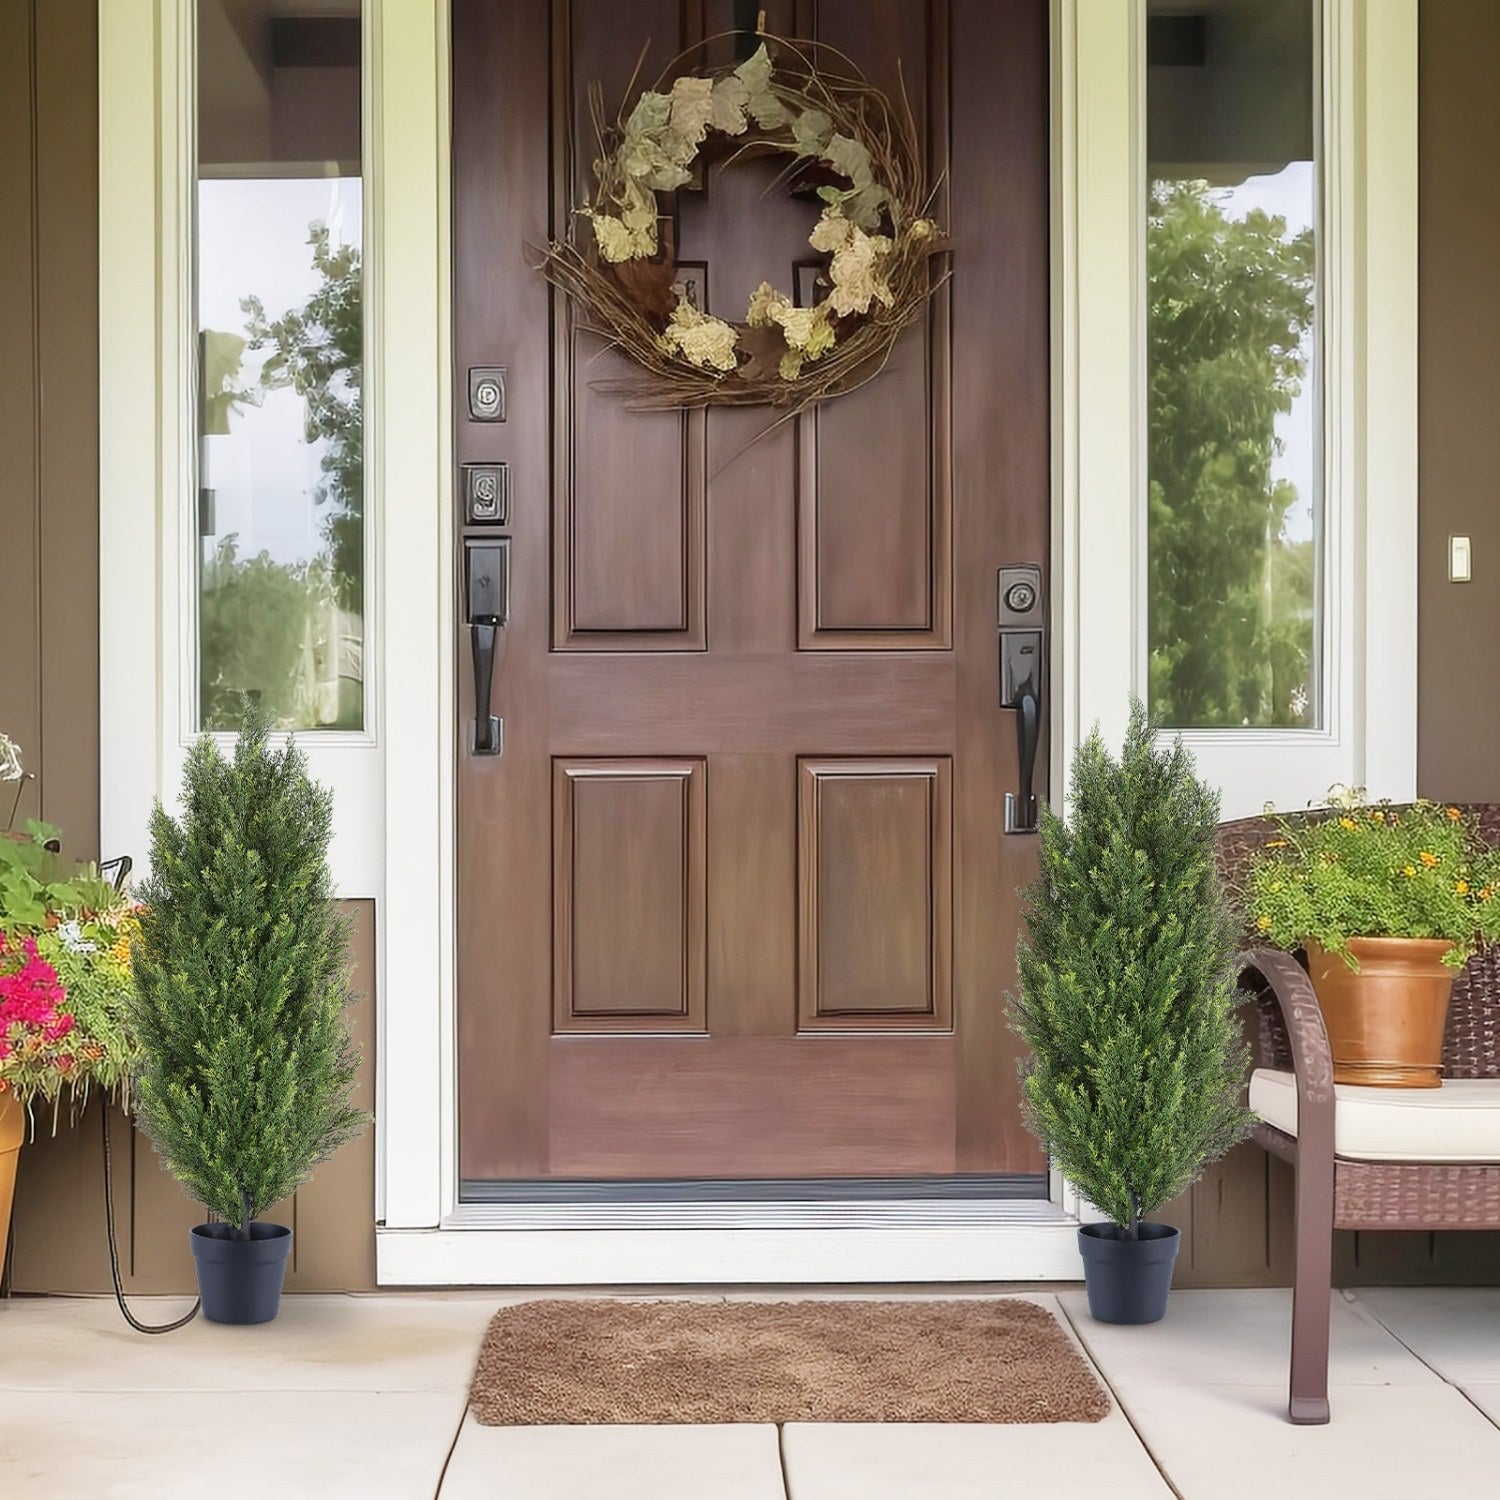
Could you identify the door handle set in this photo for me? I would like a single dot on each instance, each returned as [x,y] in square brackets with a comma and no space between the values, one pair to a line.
[1023,659]
[487,606]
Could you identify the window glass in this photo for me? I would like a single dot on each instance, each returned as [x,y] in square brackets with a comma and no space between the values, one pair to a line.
[279,287]
[1234,401]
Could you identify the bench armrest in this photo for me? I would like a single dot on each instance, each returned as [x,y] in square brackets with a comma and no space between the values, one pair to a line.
[1287,986]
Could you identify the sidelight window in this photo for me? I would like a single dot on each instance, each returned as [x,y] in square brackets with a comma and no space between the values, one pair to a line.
[279,283]
[1233,394]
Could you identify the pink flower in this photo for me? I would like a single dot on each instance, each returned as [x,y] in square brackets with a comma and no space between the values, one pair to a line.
[30,995]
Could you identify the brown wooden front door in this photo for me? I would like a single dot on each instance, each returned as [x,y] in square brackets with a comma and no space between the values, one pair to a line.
[735,901]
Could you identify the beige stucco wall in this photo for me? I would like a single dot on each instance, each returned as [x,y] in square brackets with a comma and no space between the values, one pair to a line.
[1459,691]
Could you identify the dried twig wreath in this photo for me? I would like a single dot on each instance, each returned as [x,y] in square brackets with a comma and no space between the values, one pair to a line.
[846,142]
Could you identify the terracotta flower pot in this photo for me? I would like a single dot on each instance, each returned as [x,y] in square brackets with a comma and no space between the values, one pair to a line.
[1386,1020]
[12,1133]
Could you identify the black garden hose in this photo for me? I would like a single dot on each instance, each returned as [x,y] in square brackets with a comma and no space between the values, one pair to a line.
[114,1253]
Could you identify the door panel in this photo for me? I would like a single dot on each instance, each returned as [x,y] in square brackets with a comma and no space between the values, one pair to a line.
[735,900]
[767,1106]
[874,873]
[629,900]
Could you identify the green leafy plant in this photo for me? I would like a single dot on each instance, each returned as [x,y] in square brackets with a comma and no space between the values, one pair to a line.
[1360,869]
[36,881]
[241,981]
[1127,981]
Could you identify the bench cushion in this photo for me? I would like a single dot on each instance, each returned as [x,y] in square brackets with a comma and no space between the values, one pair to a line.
[1459,1122]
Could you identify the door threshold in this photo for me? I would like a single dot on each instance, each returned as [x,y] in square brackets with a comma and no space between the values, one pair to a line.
[970,1187]
[540,1245]
[759,1213]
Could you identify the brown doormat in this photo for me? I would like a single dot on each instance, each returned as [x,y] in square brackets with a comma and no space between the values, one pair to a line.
[958,1360]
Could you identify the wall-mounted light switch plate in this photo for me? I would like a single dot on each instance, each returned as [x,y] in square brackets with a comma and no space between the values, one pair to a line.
[1460,560]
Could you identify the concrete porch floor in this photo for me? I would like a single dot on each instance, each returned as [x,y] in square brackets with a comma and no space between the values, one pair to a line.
[364,1397]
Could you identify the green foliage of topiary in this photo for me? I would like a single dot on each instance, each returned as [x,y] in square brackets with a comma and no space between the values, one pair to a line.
[241,980]
[1362,870]
[1127,982]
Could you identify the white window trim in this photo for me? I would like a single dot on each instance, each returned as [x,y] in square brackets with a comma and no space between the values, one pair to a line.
[148,459]
[1370,338]
[395,833]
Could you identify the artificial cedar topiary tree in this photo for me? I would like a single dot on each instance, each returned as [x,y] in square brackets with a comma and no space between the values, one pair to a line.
[241,980]
[1127,981]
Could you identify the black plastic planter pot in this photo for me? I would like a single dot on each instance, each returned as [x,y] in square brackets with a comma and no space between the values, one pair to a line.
[1128,1280]
[240,1280]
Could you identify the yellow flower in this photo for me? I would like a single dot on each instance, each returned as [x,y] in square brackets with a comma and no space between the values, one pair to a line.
[1461,886]
[1454,815]
[765,302]
[632,236]
[1264,923]
[703,340]
[1485,893]
[1377,816]
[1429,859]
[1408,870]
[1276,843]
[856,269]
[1348,823]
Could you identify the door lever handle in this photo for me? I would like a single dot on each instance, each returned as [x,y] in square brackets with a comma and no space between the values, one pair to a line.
[489,731]
[1023,640]
[1020,806]
[487,590]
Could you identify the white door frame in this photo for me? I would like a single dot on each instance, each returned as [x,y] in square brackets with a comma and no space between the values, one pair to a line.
[395,838]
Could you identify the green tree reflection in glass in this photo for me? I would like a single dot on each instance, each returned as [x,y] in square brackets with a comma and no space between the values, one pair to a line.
[290,633]
[1232,590]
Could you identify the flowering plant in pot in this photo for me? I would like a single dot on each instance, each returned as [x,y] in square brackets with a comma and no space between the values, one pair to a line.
[1126,1003]
[241,981]
[1387,903]
[65,941]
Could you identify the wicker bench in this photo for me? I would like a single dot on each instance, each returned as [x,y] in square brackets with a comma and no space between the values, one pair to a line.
[1344,1147]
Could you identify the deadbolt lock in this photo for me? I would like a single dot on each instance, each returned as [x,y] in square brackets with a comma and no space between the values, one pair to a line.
[487,393]
[1020,597]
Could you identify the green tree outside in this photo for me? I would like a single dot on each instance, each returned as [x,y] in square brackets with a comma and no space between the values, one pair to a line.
[265,627]
[1232,613]
[317,350]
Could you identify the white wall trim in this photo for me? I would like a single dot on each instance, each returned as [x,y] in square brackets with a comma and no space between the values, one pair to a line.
[1369,330]
[1096,431]
[1386,114]
[416,1148]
